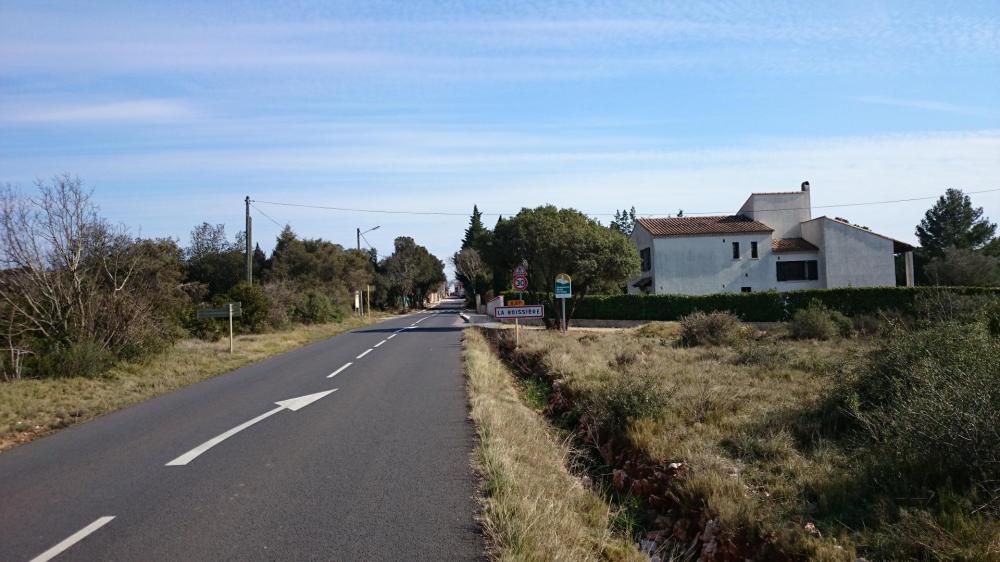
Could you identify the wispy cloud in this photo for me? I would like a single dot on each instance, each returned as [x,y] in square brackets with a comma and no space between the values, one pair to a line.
[926,105]
[142,110]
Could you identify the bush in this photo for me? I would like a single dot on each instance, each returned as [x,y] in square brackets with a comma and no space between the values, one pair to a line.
[81,359]
[713,328]
[624,397]
[929,402]
[819,323]
[760,353]
[256,308]
[754,307]
[314,307]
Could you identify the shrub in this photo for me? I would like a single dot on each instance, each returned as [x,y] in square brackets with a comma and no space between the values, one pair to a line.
[624,397]
[765,306]
[712,328]
[760,353]
[256,307]
[819,323]
[85,358]
[929,402]
[314,307]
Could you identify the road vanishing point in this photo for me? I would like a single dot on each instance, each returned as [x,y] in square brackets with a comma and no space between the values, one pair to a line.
[352,448]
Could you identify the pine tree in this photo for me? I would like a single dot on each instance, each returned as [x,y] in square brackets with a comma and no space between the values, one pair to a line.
[954,223]
[476,231]
[624,221]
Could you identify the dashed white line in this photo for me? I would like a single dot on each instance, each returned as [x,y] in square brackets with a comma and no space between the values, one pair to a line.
[369,350]
[72,539]
[379,343]
[391,336]
[338,371]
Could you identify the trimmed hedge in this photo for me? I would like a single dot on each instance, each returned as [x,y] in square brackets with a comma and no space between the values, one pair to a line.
[770,306]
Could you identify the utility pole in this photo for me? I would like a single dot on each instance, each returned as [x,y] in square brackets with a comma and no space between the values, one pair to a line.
[249,237]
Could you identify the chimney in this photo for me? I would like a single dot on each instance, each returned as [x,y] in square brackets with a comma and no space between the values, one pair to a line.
[805,186]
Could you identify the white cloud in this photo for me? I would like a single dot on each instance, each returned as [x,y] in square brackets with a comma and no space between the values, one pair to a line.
[927,105]
[99,112]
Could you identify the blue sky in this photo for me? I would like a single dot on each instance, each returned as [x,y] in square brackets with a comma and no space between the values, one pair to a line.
[173,112]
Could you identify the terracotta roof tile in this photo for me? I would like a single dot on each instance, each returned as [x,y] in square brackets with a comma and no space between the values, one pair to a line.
[779,245]
[688,226]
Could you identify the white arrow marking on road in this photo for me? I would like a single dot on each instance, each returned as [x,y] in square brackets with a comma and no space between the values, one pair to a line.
[293,404]
[369,350]
[72,539]
[337,372]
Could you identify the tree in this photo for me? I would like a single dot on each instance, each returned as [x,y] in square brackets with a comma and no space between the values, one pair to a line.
[553,241]
[469,267]
[961,267]
[411,273]
[954,223]
[476,233]
[76,292]
[213,260]
[624,221]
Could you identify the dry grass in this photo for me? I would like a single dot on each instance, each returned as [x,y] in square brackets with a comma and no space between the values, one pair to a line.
[31,408]
[733,421]
[533,507]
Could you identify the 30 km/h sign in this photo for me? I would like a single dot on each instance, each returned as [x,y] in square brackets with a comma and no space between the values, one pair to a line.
[520,283]
[530,311]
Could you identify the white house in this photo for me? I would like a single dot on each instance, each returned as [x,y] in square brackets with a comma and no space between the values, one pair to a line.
[771,243]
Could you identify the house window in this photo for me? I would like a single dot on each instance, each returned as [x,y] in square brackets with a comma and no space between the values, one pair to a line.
[736,250]
[753,250]
[804,270]
[647,259]
[745,289]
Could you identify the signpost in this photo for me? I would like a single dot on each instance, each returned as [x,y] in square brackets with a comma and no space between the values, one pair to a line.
[519,280]
[231,310]
[530,311]
[564,290]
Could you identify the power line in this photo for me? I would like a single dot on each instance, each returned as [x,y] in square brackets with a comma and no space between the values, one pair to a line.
[463,214]
[267,216]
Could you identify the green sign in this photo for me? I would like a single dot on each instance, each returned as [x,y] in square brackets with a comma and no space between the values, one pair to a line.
[222,312]
[564,286]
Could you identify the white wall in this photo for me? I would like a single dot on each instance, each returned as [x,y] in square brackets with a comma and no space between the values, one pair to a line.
[854,257]
[701,265]
[642,239]
[784,212]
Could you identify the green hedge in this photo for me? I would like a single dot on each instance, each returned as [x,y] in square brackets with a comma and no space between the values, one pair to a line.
[769,306]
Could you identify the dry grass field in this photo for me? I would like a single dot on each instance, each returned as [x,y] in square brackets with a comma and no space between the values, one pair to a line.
[767,452]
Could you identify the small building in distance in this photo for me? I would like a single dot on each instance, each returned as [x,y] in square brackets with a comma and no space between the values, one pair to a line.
[771,243]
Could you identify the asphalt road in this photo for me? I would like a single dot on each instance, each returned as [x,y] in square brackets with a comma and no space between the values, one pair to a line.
[377,470]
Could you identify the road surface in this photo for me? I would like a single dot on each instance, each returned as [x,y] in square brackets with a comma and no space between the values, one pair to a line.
[266,463]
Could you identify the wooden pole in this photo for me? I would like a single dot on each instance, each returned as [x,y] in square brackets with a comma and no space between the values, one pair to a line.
[230,327]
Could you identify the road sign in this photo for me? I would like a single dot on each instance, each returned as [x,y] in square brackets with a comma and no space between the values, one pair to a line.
[564,286]
[520,283]
[520,271]
[221,312]
[532,311]
[515,302]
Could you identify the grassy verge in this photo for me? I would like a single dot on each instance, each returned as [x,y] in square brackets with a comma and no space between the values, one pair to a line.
[533,507]
[30,408]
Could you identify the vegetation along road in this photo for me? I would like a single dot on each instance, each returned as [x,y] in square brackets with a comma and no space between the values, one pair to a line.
[353,448]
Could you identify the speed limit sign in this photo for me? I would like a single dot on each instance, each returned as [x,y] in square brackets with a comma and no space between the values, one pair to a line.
[520,283]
